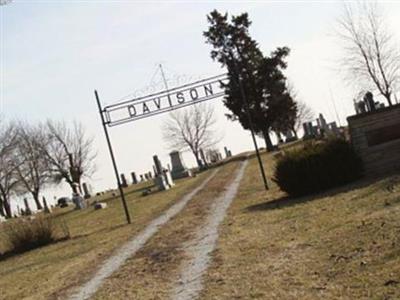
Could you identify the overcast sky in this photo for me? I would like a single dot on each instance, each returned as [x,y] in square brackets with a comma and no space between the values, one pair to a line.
[55,53]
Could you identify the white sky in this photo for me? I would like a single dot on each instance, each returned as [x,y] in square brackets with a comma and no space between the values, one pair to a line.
[55,53]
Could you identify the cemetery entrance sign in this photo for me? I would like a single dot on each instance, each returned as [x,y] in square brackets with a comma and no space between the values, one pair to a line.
[147,106]
[165,101]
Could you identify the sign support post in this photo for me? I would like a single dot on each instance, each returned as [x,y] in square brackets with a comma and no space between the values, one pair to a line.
[247,107]
[121,191]
[246,103]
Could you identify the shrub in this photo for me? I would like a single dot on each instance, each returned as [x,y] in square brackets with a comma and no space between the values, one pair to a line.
[317,167]
[25,234]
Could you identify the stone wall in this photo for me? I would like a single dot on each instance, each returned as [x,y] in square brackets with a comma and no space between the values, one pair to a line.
[376,136]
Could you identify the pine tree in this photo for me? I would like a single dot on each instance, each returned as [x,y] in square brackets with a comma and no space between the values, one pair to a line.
[262,78]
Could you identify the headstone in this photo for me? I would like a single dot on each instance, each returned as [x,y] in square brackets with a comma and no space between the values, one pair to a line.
[27,210]
[150,175]
[141,178]
[100,205]
[47,209]
[134,179]
[334,128]
[219,156]
[161,182]
[226,152]
[146,176]
[369,101]
[77,199]
[305,129]
[2,219]
[213,155]
[315,131]
[123,181]
[162,179]
[86,193]
[168,177]
[157,164]
[179,169]
[322,122]
[360,107]
[308,130]
[289,136]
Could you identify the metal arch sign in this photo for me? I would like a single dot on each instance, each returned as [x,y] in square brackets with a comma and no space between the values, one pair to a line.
[168,100]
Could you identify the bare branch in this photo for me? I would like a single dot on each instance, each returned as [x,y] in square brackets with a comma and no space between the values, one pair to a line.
[371,55]
[69,152]
[191,129]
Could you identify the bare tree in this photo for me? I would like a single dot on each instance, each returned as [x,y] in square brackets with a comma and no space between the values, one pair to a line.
[31,165]
[8,176]
[191,129]
[69,153]
[371,54]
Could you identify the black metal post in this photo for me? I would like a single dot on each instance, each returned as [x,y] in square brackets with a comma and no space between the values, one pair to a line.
[121,191]
[247,106]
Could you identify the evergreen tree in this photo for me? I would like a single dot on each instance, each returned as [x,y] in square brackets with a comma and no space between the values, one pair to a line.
[262,79]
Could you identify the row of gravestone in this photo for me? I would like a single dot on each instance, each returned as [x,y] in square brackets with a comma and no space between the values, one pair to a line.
[164,177]
[321,130]
[27,211]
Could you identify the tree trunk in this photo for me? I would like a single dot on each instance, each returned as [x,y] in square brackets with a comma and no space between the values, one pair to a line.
[295,133]
[388,98]
[268,142]
[7,209]
[198,160]
[2,213]
[73,187]
[37,201]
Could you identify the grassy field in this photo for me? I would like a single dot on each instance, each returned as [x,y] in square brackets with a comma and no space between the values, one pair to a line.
[48,272]
[342,244]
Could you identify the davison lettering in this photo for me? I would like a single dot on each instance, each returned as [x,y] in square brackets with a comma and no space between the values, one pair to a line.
[132,110]
[157,103]
[193,94]
[180,97]
[145,108]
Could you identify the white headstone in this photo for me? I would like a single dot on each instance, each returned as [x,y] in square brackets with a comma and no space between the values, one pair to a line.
[161,182]
[77,199]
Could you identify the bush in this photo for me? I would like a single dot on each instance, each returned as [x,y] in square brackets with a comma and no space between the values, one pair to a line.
[25,234]
[317,167]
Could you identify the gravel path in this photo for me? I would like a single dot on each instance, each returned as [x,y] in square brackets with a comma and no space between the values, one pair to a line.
[131,247]
[199,249]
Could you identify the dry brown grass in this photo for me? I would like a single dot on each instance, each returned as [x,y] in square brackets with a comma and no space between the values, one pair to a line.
[152,271]
[342,244]
[48,272]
